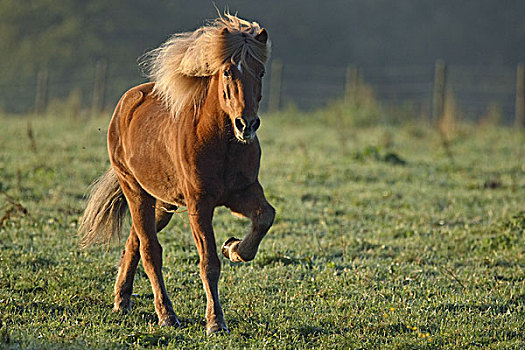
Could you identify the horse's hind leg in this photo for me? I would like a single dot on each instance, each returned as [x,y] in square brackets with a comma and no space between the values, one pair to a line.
[130,258]
[126,272]
[142,209]
[249,203]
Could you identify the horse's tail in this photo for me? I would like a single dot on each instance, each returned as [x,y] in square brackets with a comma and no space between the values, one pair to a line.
[104,212]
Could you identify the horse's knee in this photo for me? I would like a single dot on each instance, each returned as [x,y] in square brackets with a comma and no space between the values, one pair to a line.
[267,217]
[210,268]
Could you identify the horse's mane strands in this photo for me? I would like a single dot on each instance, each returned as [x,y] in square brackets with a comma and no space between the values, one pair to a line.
[181,67]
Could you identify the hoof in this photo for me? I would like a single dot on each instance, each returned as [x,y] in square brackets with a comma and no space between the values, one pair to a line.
[169,321]
[226,248]
[123,308]
[217,328]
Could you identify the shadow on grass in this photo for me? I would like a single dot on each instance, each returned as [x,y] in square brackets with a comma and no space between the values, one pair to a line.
[512,305]
[281,259]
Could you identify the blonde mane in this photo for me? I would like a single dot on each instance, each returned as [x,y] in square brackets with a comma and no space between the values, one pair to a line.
[181,67]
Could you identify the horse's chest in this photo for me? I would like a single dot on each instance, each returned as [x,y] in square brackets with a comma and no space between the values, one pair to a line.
[235,179]
[241,170]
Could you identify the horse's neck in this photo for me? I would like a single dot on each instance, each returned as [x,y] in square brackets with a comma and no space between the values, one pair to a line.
[211,116]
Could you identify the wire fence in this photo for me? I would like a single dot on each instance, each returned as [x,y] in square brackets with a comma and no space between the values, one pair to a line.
[475,89]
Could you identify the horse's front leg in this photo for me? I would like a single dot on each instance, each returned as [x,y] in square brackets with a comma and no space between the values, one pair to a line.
[249,203]
[201,214]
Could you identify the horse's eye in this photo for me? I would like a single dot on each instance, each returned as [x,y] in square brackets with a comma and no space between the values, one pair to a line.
[227,74]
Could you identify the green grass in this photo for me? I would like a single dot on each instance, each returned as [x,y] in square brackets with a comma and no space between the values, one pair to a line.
[365,252]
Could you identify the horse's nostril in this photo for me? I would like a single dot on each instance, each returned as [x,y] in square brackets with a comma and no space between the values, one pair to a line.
[240,124]
[256,123]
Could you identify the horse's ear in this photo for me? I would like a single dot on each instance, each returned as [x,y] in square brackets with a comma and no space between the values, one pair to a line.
[262,36]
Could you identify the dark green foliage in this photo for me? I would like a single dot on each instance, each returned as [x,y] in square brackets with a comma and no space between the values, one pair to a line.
[67,37]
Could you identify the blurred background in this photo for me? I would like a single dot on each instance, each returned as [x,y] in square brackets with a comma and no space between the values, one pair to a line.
[416,55]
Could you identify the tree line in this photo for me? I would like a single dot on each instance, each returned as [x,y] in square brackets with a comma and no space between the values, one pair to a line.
[65,36]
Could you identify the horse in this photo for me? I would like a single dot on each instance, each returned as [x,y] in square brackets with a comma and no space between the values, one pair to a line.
[186,138]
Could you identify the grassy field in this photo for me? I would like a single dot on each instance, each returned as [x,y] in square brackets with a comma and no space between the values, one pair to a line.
[381,241]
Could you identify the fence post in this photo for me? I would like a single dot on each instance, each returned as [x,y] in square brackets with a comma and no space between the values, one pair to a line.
[351,82]
[274,100]
[438,95]
[99,87]
[520,97]
[41,91]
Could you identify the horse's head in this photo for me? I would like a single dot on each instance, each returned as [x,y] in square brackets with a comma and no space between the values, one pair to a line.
[240,85]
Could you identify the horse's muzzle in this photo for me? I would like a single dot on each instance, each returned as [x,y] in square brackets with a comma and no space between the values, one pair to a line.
[245,130]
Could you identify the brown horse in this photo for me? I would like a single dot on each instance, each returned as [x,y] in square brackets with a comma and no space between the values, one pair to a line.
[188,138]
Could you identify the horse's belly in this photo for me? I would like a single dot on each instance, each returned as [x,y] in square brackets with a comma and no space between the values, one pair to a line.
[157,178]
